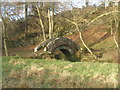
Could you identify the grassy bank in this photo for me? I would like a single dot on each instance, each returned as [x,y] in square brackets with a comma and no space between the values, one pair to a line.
[38,73]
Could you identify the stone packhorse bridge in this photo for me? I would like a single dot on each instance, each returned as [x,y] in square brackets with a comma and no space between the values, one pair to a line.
[56,46]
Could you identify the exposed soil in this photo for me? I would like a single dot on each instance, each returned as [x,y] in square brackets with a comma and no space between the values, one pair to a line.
[92,35]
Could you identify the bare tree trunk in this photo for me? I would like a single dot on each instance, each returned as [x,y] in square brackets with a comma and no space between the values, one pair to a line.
[87,3]
[26,10]
[116,42]
[51,21]
[41,23]
[50,24]
[4,34]
[4,39]
[105,4]
[119,24]
[52,18]
[119,33]
[114,30]
[114,37]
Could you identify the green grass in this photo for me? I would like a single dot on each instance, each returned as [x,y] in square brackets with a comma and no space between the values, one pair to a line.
[39,73]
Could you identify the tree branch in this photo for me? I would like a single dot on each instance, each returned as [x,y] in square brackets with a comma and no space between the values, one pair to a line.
[81,38]
[101,16]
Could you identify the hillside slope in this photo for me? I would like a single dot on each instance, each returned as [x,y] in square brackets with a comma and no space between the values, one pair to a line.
[98,38]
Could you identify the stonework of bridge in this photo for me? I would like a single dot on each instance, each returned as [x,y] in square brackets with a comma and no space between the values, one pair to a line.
[57,45]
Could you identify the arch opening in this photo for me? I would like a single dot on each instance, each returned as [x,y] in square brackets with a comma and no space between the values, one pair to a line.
[66,52]
[62,53]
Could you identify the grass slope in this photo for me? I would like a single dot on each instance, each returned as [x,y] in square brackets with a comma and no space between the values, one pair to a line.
[38,73]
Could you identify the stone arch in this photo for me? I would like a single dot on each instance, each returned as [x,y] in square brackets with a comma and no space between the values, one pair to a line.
[65,45]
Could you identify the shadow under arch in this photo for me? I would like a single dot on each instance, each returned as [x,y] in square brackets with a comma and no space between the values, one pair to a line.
[67,51]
